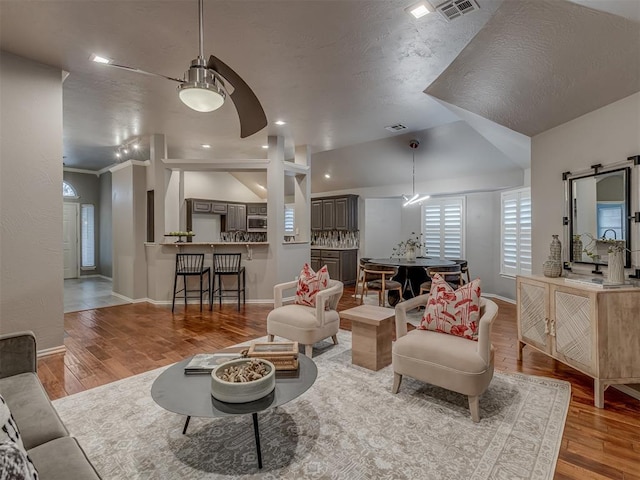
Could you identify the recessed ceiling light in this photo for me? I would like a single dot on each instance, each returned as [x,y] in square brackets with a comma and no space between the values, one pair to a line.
[265,146]
[117,154]
[205,145]
[420,9]
[125,151]
[280,122]
[326,175]
[99,59]
[262,186]
[136,146]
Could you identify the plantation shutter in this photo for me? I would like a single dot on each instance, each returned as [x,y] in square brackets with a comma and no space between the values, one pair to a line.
[88,235]
[443,227]
[289,218]
[516,232]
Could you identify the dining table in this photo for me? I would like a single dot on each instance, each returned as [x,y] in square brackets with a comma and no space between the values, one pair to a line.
[411,273]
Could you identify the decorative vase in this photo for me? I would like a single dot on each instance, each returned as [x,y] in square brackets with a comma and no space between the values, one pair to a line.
[552,268]
[577,249]
[615,266]
[555,249]
[410,254]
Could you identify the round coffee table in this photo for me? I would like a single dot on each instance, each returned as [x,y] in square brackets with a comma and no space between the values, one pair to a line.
[190,395]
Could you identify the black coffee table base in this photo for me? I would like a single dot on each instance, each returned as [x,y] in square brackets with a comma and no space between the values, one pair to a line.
[256,432]
[168,392]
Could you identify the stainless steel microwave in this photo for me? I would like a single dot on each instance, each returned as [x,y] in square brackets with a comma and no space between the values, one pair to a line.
[256,223]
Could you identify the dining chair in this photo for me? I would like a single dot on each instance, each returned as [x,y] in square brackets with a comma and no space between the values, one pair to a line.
[379,277]
[361,276]
[464,268]
[451,273]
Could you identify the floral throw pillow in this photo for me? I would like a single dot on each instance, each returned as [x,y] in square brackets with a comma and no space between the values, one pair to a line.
[456,312]
[310,283]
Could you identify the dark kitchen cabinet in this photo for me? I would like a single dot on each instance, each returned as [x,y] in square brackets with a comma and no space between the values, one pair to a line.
[219,208]
[328,214]
[341,264]
[316,215]
[256,209]
[236,218]
[335,213]
[200,206]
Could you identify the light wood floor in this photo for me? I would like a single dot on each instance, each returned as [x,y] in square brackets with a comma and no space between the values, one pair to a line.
[116,342]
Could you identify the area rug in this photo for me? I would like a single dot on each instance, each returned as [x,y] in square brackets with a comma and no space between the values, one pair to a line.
[347,426]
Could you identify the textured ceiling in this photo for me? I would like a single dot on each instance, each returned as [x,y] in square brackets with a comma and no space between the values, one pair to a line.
[538,64]
[337,71]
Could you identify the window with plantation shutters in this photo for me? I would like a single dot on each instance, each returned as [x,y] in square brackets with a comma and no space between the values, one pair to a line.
[289,218]
[88,235]
[516,232]
[443,227]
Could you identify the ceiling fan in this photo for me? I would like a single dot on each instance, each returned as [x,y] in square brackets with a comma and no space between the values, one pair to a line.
[204,87]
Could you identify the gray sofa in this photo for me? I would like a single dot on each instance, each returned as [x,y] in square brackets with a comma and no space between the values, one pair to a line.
[55,454]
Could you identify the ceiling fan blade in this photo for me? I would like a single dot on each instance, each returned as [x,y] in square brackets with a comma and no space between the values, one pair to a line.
[137,70]
[250,112]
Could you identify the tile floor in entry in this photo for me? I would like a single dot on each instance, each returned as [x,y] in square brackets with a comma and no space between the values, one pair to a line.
[87,293]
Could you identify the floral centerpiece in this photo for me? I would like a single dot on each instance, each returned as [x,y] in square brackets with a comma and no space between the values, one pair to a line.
[409,248]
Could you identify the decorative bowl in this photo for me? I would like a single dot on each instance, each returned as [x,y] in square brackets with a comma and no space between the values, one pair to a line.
[242,392]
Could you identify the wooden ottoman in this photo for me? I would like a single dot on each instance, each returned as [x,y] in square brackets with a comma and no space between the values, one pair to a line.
[372,330]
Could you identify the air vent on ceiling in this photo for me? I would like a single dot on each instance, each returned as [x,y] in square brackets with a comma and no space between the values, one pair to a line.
[456,8]
[398,127]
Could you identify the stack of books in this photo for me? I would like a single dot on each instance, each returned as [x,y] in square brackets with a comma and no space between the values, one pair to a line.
[204,363]
[284,355]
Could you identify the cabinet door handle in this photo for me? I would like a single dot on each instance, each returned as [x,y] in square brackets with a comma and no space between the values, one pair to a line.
[553,327]
[546,325]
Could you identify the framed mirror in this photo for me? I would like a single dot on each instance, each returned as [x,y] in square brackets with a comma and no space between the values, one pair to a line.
[599,215]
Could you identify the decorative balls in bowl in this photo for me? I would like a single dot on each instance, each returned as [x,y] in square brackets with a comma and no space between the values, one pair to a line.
[243,380]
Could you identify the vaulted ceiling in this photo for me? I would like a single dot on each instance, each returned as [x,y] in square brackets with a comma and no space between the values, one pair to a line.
[337,72]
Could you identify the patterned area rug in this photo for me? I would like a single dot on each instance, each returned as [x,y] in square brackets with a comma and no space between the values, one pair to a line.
[347,426]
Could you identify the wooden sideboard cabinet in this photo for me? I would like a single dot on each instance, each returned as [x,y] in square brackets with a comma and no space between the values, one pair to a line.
[594,330]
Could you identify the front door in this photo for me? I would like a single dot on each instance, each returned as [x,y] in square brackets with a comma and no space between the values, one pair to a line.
[70,239]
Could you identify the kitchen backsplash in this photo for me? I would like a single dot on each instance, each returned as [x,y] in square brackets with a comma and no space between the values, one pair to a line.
[243,236]
[336,239]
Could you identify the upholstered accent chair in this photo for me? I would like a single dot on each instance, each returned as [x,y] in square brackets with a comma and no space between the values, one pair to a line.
[448,361]
[303,324]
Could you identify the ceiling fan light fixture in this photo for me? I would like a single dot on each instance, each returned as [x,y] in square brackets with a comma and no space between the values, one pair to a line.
[201,97]
[201,91]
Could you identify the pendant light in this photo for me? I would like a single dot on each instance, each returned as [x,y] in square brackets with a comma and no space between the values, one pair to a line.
[415,198]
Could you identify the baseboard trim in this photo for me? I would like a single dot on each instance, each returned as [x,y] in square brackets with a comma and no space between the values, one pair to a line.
[628,390]
[130,300]
[499,297]
[48,352]
[192,301]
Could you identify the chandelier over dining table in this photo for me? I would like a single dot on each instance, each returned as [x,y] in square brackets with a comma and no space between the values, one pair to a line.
[414,198]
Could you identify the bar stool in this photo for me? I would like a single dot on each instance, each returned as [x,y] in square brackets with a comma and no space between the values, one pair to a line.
[190,265]
[227,264]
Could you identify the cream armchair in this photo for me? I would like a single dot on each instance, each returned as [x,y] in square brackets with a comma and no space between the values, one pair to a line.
[302,324]
[448,361]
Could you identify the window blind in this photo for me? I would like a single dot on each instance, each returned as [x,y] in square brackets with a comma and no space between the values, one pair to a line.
[516,232]
[289,219]
[443,227]
[88,235]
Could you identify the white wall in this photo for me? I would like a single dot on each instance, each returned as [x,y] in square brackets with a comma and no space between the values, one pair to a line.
[382,229]
[607,135]
[217,186]
[31,284]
